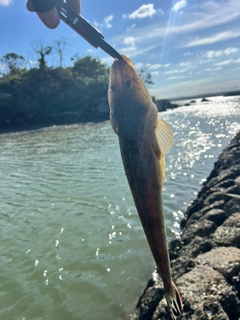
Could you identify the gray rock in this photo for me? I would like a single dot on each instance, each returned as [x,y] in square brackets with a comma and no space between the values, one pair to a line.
[218,216]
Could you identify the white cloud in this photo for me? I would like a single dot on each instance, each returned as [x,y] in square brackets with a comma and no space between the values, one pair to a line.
[5,2]
[155,66]
[129,41]
[231,51]
[146,10]
[219,53]
[106,21]
[175,71]
[214,38]
[139,65]
[179,5]
[224,63]
[185,64]
[155,73]
[176,77]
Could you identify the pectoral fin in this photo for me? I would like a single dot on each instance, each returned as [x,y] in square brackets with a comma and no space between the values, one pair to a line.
[164,136]
[163,144]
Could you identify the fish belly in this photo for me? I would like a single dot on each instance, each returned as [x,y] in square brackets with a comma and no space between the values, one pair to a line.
[142,171]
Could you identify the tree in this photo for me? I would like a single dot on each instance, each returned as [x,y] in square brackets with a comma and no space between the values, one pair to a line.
[89,67]
[146,76]
[59,47]
[11,62]
[43,51]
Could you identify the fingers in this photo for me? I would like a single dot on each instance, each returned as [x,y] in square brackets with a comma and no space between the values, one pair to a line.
[29,6]
[51,18]
[75,5]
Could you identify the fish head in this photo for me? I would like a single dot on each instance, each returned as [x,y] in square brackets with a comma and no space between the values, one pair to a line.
[129,100]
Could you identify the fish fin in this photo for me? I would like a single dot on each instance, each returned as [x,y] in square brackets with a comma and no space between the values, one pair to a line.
[174,302]
[162,144]
[164,136]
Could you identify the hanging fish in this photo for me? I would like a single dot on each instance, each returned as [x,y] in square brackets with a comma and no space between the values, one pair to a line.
[144,140]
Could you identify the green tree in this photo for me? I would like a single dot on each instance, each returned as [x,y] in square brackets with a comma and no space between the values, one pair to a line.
[11,63]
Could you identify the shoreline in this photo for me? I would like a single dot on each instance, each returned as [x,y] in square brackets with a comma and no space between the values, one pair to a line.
[206,259]
[41,127]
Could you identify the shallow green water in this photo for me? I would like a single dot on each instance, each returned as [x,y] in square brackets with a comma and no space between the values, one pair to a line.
[72,246]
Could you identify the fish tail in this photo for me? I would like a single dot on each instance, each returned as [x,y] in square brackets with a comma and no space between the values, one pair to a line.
[174,301]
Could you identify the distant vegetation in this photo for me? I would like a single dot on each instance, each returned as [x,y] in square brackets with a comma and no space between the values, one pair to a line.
[43,95]
[46,95]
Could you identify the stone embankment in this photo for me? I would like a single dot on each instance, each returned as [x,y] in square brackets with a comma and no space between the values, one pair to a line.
[206,259]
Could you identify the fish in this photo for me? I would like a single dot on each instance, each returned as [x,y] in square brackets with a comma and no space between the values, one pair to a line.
[144,139]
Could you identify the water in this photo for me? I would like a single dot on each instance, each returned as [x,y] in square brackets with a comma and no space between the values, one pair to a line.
[72,246]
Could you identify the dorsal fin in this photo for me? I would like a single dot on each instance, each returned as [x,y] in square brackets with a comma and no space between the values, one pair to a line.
[163,144]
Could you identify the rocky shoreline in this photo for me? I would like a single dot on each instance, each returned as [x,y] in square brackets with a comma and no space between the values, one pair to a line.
[206,259]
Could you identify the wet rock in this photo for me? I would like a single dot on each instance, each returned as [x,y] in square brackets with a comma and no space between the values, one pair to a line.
[206,259]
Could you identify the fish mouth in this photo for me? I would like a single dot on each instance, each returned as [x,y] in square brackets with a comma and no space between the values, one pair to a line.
[125,60]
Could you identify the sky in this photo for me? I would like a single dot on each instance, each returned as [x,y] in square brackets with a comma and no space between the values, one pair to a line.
[191,47]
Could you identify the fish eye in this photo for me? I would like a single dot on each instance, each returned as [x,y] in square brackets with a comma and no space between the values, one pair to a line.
[113,87]
[127,84]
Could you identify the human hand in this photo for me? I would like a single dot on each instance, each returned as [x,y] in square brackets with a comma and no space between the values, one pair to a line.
[51,18]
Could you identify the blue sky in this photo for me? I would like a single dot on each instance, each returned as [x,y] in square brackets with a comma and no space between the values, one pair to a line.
[190,47]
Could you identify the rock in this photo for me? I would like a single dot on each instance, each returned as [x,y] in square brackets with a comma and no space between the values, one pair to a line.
[164,104]
[218,216]
[206,259]
[228,234]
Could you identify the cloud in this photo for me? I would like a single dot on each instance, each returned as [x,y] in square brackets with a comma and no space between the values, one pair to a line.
[146,10]
[176,78]
[219,53]
[139,65]
[154,73]
[175,71]
[155,66]
[224,63]
[129,41]
[230,51]
[106,21]
[179,5]
[185,64]
[5,2]
[214,38]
